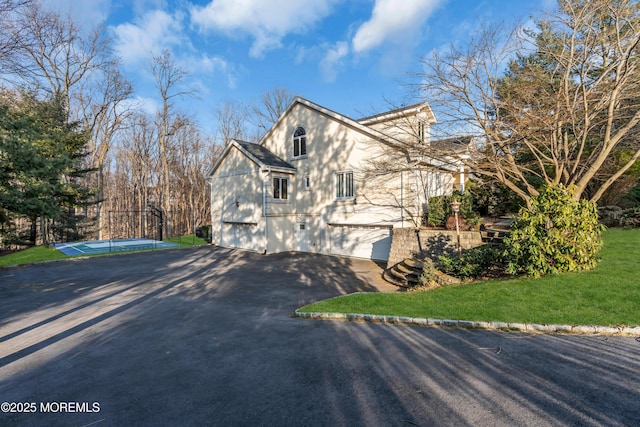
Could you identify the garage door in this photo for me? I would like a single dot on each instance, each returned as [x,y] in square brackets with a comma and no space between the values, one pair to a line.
[360,241]
[239,235]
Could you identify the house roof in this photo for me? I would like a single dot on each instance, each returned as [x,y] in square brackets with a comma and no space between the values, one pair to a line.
[266,159]
[354,124]
[264,156]
[439,153]
[421,109]
[258,154]
[455,144]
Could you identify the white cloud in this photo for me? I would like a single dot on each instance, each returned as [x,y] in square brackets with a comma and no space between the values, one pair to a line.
[87,13]
[393,20]
[206,65]
[141,103]
[156,30]
[267,21]
[333,60]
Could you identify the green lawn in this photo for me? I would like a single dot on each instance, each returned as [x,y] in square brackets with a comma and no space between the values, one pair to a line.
[186,241]
[608,295]
[28,256]
[41,253]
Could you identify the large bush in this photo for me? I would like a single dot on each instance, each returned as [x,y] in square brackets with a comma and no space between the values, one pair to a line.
[556,234]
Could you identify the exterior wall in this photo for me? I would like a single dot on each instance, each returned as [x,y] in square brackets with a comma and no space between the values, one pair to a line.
[409,242]
[280,237]
[242,193]
[408,128]
[239,180]
[333,147]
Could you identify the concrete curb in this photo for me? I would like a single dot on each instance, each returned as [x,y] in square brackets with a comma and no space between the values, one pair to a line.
[468,324]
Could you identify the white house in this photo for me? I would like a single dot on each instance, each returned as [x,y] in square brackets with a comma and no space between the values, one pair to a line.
[321,182]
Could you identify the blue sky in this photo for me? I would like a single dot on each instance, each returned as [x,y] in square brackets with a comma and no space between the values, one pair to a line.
[349,56]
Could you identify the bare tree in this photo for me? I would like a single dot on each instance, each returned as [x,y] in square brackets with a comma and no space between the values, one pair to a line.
[10,33]
[231,118]
[131,178]
[267,113]
[558,114]
[103,113]
[54,56]
[191,191]
[167,75]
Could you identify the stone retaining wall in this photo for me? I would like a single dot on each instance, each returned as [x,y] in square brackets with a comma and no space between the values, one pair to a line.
[408,242]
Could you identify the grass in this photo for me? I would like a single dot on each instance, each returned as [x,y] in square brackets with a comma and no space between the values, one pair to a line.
[608,295]
[31,255]
[42,253]
[186,241]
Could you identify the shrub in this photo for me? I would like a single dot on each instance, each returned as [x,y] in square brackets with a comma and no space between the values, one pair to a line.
[440,209]
[485,260]
[428,277]
[630,217]
[610,215]
[556,234]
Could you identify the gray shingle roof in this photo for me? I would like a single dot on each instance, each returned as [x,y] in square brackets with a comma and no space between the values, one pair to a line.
[264,156]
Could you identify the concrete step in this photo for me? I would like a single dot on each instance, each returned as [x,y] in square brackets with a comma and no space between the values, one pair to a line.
[399,275]
[406,269]
[386,275]
[413,263]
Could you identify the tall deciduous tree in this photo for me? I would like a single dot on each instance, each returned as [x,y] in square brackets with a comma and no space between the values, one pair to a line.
[167,75]
[266,113]
[54,56]
[231,117]
[11,35]
[566,105]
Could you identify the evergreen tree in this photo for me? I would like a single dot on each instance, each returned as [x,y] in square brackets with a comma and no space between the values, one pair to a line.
[41,161]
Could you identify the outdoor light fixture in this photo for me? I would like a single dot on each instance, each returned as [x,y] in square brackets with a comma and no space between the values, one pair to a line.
[455,207]
[237,203]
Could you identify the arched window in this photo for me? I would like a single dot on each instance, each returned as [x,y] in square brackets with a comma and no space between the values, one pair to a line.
[299,142]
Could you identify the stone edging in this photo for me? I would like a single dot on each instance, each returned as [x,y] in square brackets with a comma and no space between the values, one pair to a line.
[467,324]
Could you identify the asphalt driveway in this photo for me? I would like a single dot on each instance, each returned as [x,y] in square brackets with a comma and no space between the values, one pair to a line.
[204,337]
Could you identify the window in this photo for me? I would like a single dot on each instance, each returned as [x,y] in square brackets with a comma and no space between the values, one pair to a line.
[423,132]
[344,185]
[280,188]
[307,182]
[299,142]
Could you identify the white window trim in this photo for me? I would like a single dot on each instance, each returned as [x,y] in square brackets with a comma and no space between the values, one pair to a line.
[279,199]
[424,133]
[296,141]
[336,181]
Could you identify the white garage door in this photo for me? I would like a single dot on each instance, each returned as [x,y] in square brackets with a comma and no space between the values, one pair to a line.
[360,241]
[239,235]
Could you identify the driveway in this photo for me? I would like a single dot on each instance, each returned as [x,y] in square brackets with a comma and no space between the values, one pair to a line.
[204,337]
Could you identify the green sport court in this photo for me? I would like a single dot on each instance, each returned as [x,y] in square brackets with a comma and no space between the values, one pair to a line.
[106,246]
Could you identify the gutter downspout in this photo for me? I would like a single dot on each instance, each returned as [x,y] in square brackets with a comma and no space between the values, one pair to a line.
[402,198]
[264,209]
